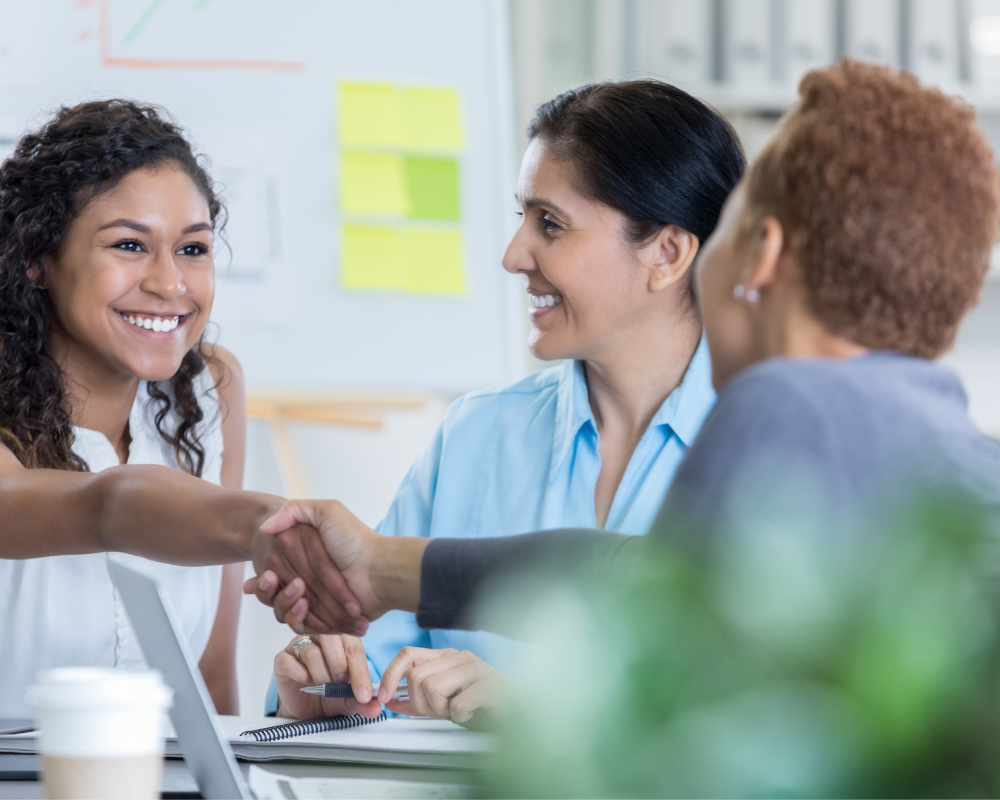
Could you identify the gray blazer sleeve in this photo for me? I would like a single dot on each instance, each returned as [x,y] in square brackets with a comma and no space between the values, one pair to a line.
[454,571]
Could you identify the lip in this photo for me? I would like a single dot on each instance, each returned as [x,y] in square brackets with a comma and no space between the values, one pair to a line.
[537,313]
[122,316]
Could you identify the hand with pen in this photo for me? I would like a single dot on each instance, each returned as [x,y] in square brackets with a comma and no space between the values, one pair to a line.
[444,684]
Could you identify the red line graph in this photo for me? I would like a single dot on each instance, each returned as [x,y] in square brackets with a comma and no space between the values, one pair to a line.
[107,60]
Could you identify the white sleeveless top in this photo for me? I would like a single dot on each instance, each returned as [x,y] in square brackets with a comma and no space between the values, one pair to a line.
[65,611]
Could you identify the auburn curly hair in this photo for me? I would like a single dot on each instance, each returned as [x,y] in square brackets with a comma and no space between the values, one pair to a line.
[51,175]
[890,196]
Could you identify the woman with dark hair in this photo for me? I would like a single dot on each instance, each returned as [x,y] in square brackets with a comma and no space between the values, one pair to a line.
[116,417]
[842,265]
[620,186]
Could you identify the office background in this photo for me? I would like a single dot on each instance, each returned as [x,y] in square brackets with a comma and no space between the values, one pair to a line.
[355,441]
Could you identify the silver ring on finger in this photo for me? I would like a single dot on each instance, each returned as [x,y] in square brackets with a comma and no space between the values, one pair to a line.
[301,642]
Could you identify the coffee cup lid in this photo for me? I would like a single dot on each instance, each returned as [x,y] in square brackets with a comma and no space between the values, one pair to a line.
[86,687]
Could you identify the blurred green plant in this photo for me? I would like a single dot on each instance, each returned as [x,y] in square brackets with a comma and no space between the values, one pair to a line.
[775,663]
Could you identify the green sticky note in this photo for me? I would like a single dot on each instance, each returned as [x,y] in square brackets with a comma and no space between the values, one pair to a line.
[432,188]
[370,113]
[431,120]
[372,183]
[372,257]
[434,263]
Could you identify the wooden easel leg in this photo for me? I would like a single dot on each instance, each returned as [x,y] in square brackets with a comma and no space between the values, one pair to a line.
[288,461]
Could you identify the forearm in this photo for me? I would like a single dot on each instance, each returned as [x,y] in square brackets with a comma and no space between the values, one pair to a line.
[150,511]
[441,579]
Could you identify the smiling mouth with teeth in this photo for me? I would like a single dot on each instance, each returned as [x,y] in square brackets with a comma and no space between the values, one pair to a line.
[544,300]
[152,322]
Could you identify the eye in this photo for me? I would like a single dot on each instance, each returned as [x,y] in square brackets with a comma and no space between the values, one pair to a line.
[548,225]
[193,249]
[520,214]
[128,245]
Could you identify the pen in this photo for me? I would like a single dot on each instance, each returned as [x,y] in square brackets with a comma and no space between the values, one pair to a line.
[344,691]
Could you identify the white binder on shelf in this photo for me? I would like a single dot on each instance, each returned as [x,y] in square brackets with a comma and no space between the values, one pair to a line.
[984,48]
[747,39]
[872,30]
[933,34]
[676,39]
[805,37]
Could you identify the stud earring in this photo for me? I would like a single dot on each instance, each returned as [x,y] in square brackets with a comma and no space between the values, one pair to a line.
[740,292]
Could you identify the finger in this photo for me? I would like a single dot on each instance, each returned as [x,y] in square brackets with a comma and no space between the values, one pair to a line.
[294,617]
[404,661]
[357,667]
[290,514]
[286,598]
[291,544]
[312,657]
[402,707]
[265,587]
[336,660]
[480,694]
[450,676]
[313,624]
[424,691]
[288,666]
[331,578]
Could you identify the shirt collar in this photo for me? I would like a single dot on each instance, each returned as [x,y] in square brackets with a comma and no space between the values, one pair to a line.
[686,407]
[683,411]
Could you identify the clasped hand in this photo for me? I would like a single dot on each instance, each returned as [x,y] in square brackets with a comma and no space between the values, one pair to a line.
[314,562]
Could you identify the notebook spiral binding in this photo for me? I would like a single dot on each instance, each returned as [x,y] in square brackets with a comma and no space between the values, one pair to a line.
[308,726]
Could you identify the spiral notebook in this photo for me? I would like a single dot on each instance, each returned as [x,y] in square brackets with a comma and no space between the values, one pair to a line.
[413,742]
[304,727]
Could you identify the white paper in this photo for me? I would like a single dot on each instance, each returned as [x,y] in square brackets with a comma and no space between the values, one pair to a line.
[271,786]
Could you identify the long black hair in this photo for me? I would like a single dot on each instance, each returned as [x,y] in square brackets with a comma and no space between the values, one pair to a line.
[647,149]
[51,175]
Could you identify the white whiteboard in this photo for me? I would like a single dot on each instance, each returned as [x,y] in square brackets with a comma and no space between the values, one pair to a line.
[253,82]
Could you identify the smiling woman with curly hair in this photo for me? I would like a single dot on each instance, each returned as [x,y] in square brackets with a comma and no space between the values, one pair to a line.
[112,406]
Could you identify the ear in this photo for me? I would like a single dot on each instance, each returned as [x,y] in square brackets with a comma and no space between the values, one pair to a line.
[762,269]
[672,253]
[36,275]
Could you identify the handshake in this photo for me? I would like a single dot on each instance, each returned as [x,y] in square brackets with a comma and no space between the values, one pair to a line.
[322,570]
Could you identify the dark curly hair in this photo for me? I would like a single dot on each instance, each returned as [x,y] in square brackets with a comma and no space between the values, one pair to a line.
[891,197]
[51,175]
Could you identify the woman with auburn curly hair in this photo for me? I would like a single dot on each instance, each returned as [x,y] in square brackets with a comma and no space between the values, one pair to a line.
[842,264]
[107,223]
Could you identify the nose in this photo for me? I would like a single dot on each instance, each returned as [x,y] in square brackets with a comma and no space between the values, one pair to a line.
[163,277]
[517,258]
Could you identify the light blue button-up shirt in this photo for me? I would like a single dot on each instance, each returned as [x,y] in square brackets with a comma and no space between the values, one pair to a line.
[526,457]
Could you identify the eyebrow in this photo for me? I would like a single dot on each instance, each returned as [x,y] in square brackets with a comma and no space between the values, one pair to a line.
[138,226]
[540,202]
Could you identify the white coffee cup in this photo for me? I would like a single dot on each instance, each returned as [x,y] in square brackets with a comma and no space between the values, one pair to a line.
[101,731]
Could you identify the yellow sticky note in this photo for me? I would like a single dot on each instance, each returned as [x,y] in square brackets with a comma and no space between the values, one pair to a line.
[434,262]
[369,113]
[431,119]
[372,183]
[372,257]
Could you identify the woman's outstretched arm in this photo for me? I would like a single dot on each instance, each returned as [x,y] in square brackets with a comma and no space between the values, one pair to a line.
[165,515]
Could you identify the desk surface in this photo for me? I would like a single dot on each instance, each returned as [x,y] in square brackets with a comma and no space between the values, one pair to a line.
[176,774]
